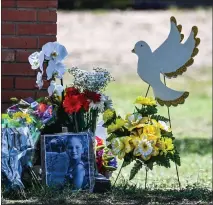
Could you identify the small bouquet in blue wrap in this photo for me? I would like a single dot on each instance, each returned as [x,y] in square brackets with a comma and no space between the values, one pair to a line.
[20,133]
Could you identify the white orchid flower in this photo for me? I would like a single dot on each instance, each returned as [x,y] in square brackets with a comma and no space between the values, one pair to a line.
[54,51]
[55,88]
[39,80]
[55,68]
[36,60]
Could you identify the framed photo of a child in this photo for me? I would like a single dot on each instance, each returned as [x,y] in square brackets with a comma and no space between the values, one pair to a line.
[68,159]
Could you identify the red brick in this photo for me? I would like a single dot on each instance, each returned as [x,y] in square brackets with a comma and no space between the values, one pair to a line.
[20,94]
[37,4]
[7,55]
[19,42]
[18,15]
[25,83]
[50,16]
[22,55]
[44,40]
[41,93]
[8,3]
[17,69]
[7,28]
[36,29]
[6,82]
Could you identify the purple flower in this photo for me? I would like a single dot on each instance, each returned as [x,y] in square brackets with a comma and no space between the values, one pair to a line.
[100,153]
[113,163]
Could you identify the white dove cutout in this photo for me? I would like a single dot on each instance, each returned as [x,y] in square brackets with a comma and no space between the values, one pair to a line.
[171,59]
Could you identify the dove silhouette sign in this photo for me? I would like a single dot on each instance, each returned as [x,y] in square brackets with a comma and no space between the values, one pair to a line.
[171,59]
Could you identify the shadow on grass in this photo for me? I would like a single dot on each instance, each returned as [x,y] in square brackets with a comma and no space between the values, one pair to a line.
[199,146]
[121,194]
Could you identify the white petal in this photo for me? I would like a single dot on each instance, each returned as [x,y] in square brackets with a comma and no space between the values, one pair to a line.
[34,60]
[50,69]
[51,88]
[41,61]
[39,80]
[59,89]
[60,69]
[48,48]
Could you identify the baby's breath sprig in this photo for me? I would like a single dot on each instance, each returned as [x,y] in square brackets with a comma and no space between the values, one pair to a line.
[96,80]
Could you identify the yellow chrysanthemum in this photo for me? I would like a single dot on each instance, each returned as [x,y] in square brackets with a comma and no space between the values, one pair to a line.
[145,101]
[108,115]
[165,145]
[119,123]
[121,146]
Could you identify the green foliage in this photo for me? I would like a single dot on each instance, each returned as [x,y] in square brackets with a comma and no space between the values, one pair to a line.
[159,117]
[145,111]
[127,159]
[137,166]
[175,157]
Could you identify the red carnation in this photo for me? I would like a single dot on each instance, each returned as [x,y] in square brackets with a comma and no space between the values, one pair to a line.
[72,91]
[84,102]
[95,97]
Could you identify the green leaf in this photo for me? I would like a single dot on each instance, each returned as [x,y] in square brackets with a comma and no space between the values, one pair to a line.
[100,147]
[137,166]
[175,158]
[110,158]
[159,117]
[127,160]
[110,168]
[111,136]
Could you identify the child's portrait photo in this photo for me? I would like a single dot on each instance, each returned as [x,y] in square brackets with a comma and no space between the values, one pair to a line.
[67,160]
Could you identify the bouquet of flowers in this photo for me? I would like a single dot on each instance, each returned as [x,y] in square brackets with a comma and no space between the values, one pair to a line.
[78,105]
[143,137]
[105,160]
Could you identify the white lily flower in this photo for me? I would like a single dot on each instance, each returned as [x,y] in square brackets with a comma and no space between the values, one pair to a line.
[55,88]
[55,68]
[39,80]
[36,60]
[54,51]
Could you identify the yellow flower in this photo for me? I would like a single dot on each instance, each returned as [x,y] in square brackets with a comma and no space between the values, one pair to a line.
[108,115]
[144,149]
[145,101]
[121,146]
[26,116]
[165,145]
[135,121]
[119,123]
[151,130]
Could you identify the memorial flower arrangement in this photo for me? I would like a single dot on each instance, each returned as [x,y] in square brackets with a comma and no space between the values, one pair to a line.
[75,106]
[142,136]
[105,160]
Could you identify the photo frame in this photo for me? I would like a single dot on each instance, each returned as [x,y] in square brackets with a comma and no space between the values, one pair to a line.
[68,160]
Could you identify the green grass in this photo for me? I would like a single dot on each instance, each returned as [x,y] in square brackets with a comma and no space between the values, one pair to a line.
[192,127]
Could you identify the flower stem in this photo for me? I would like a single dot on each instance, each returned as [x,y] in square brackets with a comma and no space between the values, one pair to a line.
[76,123]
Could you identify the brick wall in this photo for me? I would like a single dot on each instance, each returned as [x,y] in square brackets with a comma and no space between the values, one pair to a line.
[26,26]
